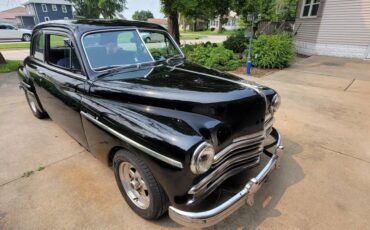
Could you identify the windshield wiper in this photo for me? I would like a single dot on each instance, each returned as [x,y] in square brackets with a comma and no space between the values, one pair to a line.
[174,57]
[115,68]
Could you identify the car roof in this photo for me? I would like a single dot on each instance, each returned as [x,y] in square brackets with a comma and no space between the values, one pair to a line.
[84,25]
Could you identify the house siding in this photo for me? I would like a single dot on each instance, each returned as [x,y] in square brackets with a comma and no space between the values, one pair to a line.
[342,28]
[346,23]
[53,15]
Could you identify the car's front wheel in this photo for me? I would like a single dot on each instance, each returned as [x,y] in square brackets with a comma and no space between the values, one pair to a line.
[138,186]
[26,37]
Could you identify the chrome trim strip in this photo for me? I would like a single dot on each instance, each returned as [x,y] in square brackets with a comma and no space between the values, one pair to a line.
[246,195]
[147,50]
[132,142]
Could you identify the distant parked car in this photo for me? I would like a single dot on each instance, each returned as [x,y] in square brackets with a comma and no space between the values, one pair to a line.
[152,37]
[9,32]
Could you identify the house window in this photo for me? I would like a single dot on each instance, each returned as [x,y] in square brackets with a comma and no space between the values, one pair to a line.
[54,7]
[44,8]
[310,8]
[47,19]
[64,8]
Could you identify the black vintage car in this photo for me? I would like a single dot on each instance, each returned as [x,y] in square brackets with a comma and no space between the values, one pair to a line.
[179,136]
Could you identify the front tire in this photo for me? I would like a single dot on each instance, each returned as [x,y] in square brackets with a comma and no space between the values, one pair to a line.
[138,186]
[26,37]
[34,105]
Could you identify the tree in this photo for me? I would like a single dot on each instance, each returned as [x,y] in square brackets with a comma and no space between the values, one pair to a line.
[108,8]
[2,59]
[86,8]
[95,8]
[142,15]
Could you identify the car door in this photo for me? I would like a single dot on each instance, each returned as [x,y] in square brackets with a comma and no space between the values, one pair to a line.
[59,80]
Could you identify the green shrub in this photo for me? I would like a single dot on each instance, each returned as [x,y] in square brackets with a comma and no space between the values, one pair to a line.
[212,56]
[236,42]
[273,51]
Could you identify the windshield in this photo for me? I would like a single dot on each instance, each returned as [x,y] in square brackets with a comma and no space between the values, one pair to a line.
[127,47]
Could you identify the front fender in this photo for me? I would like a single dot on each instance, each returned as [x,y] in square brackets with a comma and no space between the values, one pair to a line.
[173,134]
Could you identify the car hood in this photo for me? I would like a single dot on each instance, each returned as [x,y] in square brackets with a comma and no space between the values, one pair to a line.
[189,88]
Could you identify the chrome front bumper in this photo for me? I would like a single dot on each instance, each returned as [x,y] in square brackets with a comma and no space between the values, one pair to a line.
[246,195]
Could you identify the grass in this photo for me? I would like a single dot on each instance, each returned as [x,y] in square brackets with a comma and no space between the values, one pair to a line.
[206,32]
[9,66]
[15,45]
[191,36]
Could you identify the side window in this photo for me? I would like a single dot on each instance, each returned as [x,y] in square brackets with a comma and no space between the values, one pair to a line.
[61,53]
[39,46]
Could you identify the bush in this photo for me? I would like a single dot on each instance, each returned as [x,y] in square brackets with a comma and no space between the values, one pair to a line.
[212,56]
[236,42]
[273,51]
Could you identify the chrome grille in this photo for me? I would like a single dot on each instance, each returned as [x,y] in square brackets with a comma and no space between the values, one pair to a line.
[244,152]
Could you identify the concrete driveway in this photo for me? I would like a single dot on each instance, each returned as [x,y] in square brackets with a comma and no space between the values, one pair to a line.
[324,181]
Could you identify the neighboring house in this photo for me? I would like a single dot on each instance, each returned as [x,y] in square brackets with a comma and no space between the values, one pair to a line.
[229,25]
[46,10]
[10,16]
[333,27]
[159,21]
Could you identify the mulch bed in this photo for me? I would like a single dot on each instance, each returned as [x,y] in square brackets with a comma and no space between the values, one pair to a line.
[255,72]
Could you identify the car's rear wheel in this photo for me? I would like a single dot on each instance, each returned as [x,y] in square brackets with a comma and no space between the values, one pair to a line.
[26,37]
[147,40]
[34,106]
[138,186]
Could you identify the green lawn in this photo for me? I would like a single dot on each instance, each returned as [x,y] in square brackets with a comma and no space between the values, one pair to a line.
[206,32]
[9,66]
[15,45]
[191,36]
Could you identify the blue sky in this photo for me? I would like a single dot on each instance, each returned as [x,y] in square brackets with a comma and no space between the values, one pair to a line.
[153,5]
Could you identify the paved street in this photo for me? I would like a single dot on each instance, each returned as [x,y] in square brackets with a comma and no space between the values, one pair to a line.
[324,181]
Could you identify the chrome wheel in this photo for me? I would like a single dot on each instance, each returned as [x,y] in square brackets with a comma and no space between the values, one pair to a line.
[134,185]
[26,37]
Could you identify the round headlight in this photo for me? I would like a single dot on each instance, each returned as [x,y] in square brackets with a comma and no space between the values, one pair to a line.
[275,103]
[202,158]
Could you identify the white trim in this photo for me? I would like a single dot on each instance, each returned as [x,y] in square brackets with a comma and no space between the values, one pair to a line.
[310,9]
[46,19]
[66,18]
[49,2]
[54,7]
[44,9]
[64,9]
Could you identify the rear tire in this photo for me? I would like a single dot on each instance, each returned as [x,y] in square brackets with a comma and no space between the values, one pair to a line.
[34,105]
[138,186]
[26,37]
